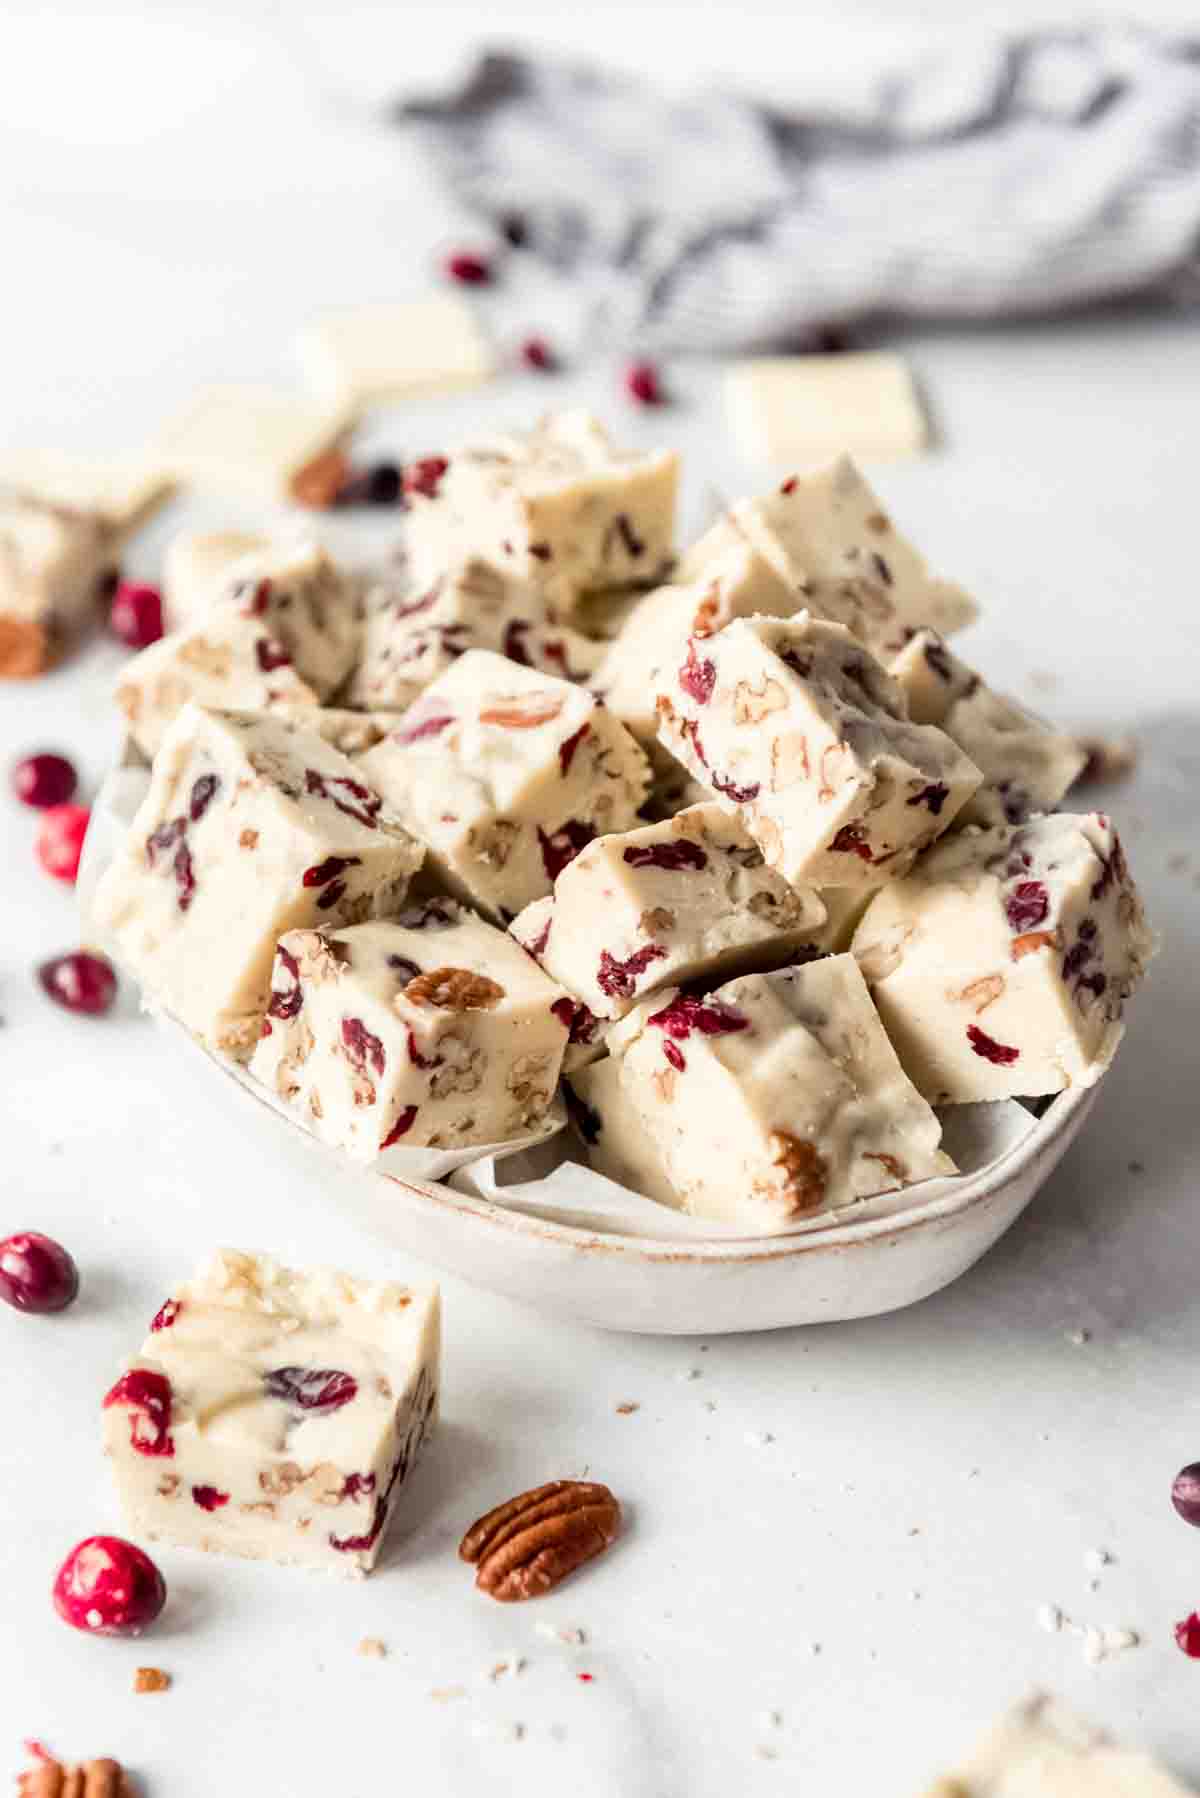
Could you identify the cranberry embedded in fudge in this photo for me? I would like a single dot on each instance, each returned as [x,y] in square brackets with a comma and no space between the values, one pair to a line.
[1001,965]
[275,1414]
[434,1031]
[796,725]
[252,826]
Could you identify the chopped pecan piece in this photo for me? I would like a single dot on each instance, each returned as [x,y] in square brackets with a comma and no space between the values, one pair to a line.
[525,1547]
[804,1170]
[455,989]
[523,712]
[151,1679]
[1032,940]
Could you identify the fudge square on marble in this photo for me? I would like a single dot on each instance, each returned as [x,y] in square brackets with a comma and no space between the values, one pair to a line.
[828,536]
[1027,765]
[1001,964]
[252,826]
[796,725]
[55,565]
[557,506]
[814,1108]
[687,899]
[434,1031]
[504,773]
[276,1414]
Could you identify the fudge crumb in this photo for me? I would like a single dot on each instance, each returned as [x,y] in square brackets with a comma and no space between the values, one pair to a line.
[1096,1559]
[1108,759]
[627,1408]
[770,1719]
[763,1753]
[1101,1644]
[443,1694]
[151,1679]
[555,1632]
[372,1648]
[688,1373]
[498,1732]
[512,1663]
[1050,1618]
[759,1438]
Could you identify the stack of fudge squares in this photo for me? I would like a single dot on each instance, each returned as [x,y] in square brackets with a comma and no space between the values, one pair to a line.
[730,847]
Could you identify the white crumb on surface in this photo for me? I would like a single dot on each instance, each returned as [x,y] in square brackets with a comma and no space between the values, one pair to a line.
[1096,1559]
[1079,1337]
[689,1373]
[1050,1618]
[1098,1642]
[558,1632]
[758,1438]
[509,1664]
[770,1719]
[487,1730]
[443,1694]
[763,1753]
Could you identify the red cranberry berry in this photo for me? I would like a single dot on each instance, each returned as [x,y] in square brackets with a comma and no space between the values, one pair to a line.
[36,1273]
[137,614]
[44,780]
[537,354]
[643,383]
[108,1587]
[59,840]
[468,268]
[1185,1493]
[1187,1635]
[80,982]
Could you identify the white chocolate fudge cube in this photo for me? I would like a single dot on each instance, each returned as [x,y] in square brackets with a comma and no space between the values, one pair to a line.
[504,774]
[303,600]
[55,567]
[276,1414]
[828,535]
[1027,765]
[776,1096]
[794,722]
[252,826]
[557,506]
[687,899]
[228,662]
[414,631]
[195,564]
[1001,964]
[615,1139]
[431,1032]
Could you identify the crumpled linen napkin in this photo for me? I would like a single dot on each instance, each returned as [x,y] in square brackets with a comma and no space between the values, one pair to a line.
[1023,174]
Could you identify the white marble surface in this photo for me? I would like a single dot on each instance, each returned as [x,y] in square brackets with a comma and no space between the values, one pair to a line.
[901,1495]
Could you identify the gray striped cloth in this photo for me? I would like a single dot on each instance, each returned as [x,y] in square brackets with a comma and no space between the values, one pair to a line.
[1026,174]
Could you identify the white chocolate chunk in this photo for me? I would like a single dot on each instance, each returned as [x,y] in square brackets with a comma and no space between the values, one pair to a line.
[1042,1750]
[615,1139]
[504,774]
[123,491]
[431,1032]
[194,567]
[415,630]
[806,408]
[55,567]
[828,535]
[1027,765]
[796,725]
[368,355]
[1001,965]
[241,437]
[814,1108]
[557,506]
[687,899]
[276,1414]
[251,826]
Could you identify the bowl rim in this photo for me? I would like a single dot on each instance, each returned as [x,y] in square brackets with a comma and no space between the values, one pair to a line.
[1065,1111]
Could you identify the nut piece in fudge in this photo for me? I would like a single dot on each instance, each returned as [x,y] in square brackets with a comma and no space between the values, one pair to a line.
[1027,765]
[193,572]
[251,826]
[353,733]
[504,774]
[276,1414]
[776,1096]
[414,631]
[431,1032]
[56,565]
[796,725]
[687,899]
[1001,964]
[557,506]
[828,536]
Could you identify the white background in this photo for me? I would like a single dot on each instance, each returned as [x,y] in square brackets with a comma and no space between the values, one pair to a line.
[181,187]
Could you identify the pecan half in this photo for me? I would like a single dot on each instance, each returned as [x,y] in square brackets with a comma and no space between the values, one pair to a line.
[454,989]
[523,712]
[92,1779]
[151,1679]
[525,1547]
[803,1169]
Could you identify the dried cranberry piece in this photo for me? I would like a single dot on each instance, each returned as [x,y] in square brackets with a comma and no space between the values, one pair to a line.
[358,1485]
[1026,905]
[204,791]
[431,726]
[185,877]
[673,857]
[619,978]
[586,1118]
[567,748]
[644,384]
[538,946]
[468,268]
[698,676]
[323,872]
[989,1048]
[136,616]
[36,1274]
[166,1314]
[561,848]
[147,1395]
[270,654]
[850,840]
[59,840]
[253,597]
[687,1013]
[1185,1493]
[209,1498]
[108,1587]
[536,353]
[80,982]
[555,650]
[1187,1636]
[674,1055]
[286,1005]
[361,1046]
[583,1025]
[44,780]
[401,1127]
[425,476]
[349,796]
[731,790]
[934,796]
[564,1011]
[164,838]
[311,1388]
[333,893]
